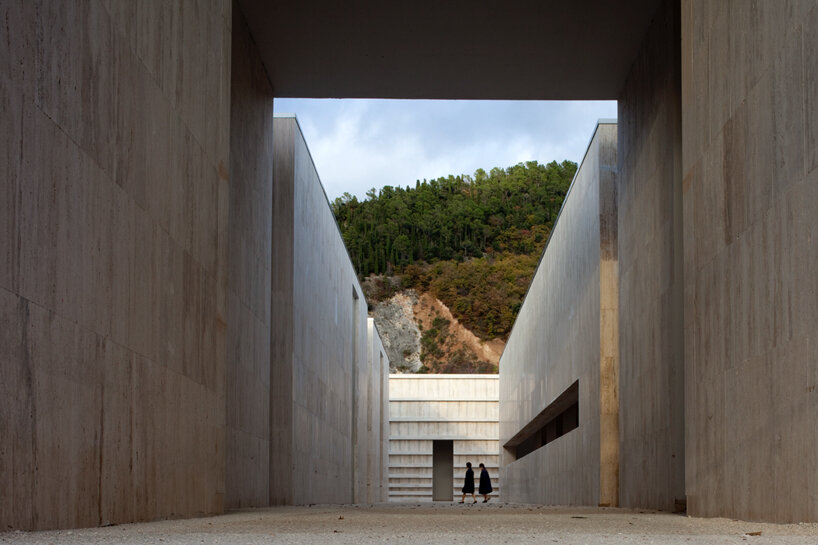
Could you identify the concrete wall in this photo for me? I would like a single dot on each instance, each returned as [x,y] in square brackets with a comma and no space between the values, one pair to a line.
[114,119]
[557,340]
[249,275]
[136,282]
[377,420]
[156,293]
[326,447]
[422,408]
[283,273]
[750,121]
[650,272]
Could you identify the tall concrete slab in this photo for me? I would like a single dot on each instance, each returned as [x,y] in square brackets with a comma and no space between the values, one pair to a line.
[377,417]
[651,379]
[326,440]
[249,275]
[565,337]
[749,98]
[281,351]
[113,121]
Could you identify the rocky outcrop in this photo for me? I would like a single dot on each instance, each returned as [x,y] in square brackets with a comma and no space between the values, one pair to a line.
[428,307]
[395,321]
[402,320]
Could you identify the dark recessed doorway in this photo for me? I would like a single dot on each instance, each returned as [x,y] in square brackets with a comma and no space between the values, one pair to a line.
[442,470]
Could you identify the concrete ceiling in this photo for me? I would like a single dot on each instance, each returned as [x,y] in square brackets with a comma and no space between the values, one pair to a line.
[447,49]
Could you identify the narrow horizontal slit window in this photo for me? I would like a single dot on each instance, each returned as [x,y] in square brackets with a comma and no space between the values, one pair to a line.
[558,418]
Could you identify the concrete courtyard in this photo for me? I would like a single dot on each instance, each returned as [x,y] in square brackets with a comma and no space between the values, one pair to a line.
[425,523]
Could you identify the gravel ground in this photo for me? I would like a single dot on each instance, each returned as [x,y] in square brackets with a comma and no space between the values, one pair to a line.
[432,523]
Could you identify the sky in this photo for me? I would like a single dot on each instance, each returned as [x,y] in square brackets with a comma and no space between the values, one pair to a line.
[361,144]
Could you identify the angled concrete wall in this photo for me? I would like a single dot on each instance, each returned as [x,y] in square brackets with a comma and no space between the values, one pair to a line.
[114,123]
[425,408]
[249,275]
[565,332]
[327,446]
[750,121]
[651,344]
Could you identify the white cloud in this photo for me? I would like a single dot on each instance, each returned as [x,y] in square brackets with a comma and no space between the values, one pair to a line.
[360,144]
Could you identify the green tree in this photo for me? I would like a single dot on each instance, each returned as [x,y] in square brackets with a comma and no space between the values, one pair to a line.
[474,241]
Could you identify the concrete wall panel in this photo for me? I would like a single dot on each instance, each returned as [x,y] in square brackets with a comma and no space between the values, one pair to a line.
[281,413]
[651,346]
[249,275]
[17,413]
[111,272]
[329,341]
[560,337]
[325,446]
[377,419]
[750,297]
[11,137]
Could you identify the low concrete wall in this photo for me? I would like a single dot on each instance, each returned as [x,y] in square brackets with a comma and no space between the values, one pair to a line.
[749,98]
[565,332]
[326,450]
[423,408]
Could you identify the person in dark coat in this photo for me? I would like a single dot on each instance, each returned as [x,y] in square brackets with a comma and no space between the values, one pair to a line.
[485,483]
[468,484]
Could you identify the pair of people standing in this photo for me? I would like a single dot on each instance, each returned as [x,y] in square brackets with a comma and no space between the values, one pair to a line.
[468,484]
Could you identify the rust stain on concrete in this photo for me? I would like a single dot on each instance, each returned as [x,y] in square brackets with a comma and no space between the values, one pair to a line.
[224,174]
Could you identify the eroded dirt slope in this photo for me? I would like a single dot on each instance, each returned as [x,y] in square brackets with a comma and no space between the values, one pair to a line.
[420,334]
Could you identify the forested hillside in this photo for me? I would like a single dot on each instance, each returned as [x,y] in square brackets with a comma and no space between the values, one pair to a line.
[471,241]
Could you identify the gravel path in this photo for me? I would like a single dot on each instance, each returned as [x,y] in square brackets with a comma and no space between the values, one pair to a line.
[432,523]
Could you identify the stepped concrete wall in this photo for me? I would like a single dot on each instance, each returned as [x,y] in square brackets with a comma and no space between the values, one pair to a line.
[328,433]
[424,408]
[750,163]
[566,332]
[651,338]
